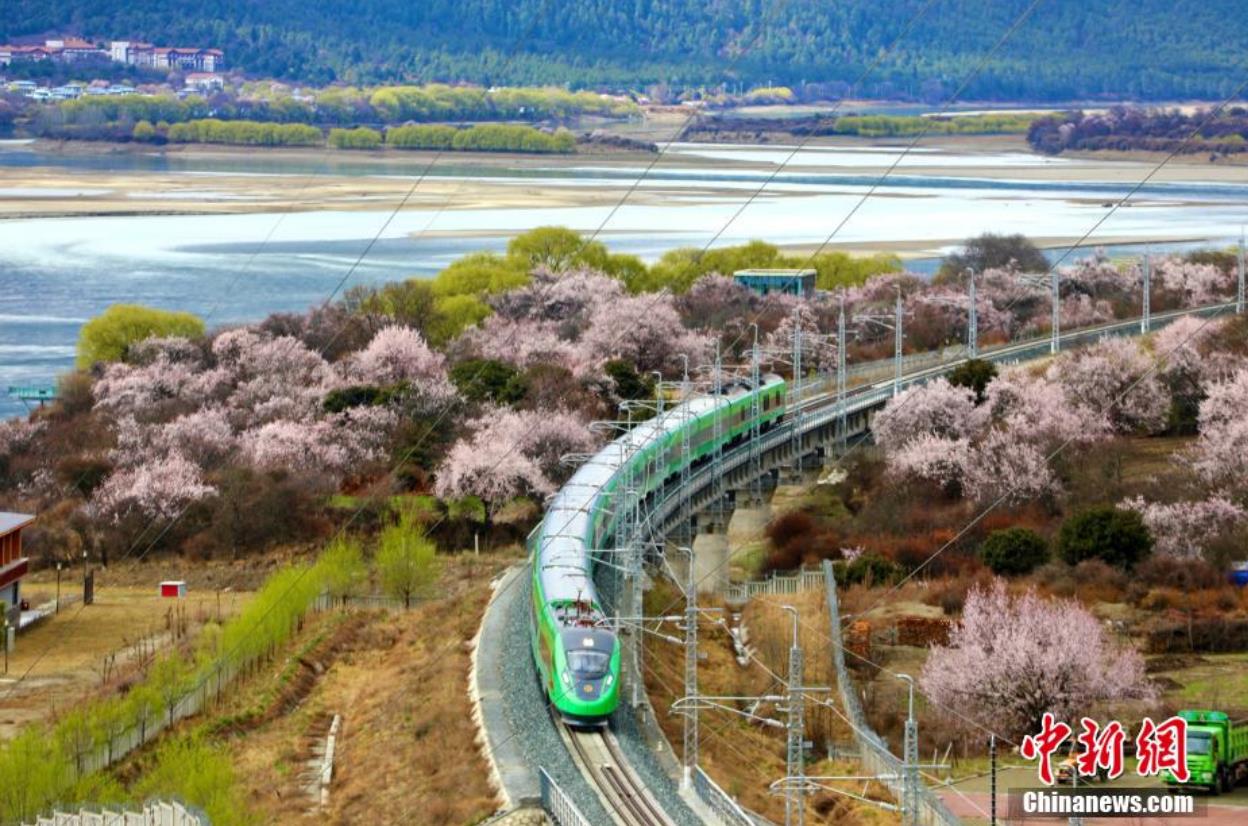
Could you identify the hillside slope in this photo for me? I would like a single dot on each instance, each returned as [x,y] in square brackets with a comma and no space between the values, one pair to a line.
[1144,49]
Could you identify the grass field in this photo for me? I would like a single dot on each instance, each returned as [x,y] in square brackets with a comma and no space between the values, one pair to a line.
[87,649]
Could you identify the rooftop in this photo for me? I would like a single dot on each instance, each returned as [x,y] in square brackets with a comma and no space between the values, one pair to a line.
[775,273]
[10,522]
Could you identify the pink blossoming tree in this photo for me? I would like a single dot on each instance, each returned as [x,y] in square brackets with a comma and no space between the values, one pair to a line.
[1184,529]
[156,490]
[1012,658]
[1220,455]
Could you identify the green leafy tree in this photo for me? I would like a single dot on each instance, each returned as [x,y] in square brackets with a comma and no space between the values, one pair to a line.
[144,131]
[488,380]
[1014,551]
[457,313]
[557,248]
[1117,537]
[78,736]
[481,273]
[109,335]
[112,720]
[170,681]
[406,560]
[992,251]
[974,374]
[627,382]
[141,706]
[342,564]
[196,770]
[359,138]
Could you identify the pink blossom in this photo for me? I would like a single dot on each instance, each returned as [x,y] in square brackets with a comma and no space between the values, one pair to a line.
[173,348]
[400,354]
[523,343]
[160,489]
[1115,377]
[930,457]
[1220,454]
[569,298]
[937,408]
[645,330]
[1003,468]
[1184,529]
[1195,284]
[1012,658]
[1035,409]
[1097,275]
[204,436]
[512,453]
[17,435]
[127,390]
[336,445]
[818,349]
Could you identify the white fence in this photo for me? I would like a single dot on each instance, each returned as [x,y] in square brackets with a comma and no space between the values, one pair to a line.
[804,580]
[874,753]
[557,803]
[156,813]
[729,811]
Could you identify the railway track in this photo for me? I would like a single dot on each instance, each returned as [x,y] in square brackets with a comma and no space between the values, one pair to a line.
[598,756]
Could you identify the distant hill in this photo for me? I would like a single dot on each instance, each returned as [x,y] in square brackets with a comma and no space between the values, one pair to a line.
[1068,49]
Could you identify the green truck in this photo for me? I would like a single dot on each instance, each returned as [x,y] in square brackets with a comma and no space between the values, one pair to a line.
[1217,751]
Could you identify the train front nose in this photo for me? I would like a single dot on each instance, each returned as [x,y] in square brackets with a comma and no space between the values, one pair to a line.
[591,683]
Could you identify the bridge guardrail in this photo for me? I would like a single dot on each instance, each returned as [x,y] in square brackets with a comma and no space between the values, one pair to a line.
[557,803]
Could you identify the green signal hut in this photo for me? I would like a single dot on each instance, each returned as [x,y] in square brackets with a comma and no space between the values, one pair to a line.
[800,283]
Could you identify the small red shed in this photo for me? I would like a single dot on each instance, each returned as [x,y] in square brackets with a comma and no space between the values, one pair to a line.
[173,588]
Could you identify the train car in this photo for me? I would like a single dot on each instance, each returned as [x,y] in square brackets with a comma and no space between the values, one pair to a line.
[577,655]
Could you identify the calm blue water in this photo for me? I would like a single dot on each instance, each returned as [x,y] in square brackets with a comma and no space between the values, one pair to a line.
[57,272]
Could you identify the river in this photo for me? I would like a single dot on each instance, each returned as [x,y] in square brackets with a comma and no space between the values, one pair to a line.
[56,272]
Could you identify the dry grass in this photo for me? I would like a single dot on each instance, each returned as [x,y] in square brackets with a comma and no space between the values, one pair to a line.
[745,757]
[66,658]
[407,751]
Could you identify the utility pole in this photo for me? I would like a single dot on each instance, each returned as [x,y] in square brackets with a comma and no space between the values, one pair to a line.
[1146,307]
[795,758]
[686,516]
[972,327]
[690,753]
[718,473]
[910,762]
[1239,293]
[897,339]
[1055,346]
[797,393]
[992,783]
[840,377]
[756,412]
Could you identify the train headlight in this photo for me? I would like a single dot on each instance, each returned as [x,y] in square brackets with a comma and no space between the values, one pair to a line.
[608,680]
[567,679]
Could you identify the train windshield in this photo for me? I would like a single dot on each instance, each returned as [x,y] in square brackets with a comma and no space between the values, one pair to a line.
[1199,742]
[589,665]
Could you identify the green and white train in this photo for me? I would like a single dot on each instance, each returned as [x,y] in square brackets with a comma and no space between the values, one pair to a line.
[577,654]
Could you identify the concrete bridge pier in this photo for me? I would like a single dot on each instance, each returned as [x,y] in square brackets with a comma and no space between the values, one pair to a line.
[710,562]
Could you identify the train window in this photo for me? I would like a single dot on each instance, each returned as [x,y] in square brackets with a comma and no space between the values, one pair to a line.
[588,665]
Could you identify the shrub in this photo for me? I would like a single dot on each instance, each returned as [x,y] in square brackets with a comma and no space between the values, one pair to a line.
[1115,536]
[360,138]
[868,569]
[406,561]
[109,335]
[488,380]
[144,131]
[1014,551]
[974,375]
